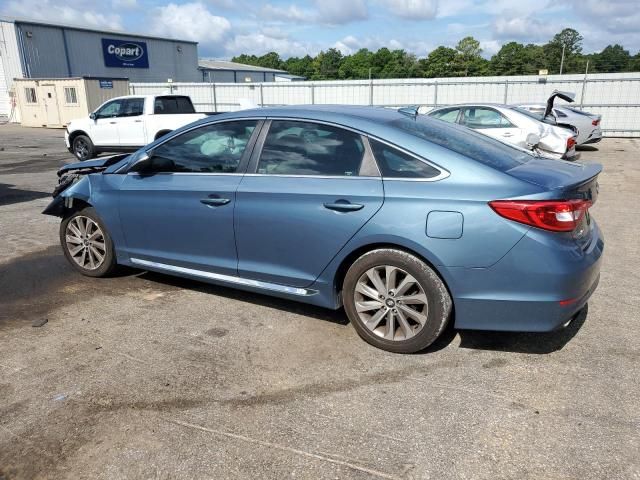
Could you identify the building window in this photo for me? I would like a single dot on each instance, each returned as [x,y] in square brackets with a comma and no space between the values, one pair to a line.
[70,96]
[30,94]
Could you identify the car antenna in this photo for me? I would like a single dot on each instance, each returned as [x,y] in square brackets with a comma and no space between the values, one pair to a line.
[410,111]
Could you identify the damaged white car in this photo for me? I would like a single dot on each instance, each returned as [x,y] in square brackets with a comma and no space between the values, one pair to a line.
[515,126]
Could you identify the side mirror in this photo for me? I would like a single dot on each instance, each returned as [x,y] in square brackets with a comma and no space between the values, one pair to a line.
[93,115]
[142,164]
[533,140]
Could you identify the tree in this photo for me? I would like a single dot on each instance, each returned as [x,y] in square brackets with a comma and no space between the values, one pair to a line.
[439,63]
[400,65]
[571,40]
[634,63]
[271,60]
[468,58]
[614,58]
[326,65]
[514,58]
[300,66]
[357,66]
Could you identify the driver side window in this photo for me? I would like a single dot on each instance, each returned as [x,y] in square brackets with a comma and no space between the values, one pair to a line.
[111,109]
[216,148]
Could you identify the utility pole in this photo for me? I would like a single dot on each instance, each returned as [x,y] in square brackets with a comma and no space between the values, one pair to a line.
[562,60]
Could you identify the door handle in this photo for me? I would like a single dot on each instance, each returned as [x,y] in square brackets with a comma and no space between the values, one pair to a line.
[138,121]
[507,134]
[113,123]
[342,206]
[215,202]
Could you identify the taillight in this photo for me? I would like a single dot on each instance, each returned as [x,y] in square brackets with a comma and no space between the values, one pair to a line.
[553,215]
[595,123]
[571,142]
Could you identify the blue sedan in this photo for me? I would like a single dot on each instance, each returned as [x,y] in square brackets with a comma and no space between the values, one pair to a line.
[406,221]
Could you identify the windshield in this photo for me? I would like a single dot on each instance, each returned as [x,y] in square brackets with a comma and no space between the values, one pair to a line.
[465,141]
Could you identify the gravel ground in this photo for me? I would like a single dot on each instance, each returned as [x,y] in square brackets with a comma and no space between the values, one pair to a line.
[149,376]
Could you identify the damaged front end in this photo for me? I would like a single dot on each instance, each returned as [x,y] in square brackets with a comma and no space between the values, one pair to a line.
[73,183]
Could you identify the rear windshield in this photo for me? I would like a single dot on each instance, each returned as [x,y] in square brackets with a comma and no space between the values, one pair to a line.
[166,105]
[464,141]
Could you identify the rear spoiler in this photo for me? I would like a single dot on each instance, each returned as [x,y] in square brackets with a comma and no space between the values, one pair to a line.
[566,96]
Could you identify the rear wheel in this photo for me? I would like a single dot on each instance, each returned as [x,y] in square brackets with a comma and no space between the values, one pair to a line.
[83,148]
[87,244]
[395,301]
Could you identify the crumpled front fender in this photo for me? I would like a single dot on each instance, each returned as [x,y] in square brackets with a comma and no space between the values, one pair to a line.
[80,190]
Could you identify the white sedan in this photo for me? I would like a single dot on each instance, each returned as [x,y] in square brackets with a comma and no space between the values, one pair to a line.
[514,126]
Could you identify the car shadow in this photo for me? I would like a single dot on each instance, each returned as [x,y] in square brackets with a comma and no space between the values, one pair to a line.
[517,342]
[514,342]
[291,306]
[587,148]
[10,195]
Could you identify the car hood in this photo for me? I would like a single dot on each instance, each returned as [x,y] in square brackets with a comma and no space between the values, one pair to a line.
[95,165]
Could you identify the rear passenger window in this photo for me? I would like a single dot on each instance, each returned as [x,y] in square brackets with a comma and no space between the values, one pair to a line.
[302,148]
[396,164]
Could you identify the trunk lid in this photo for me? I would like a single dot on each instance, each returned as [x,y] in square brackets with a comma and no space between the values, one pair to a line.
[556,174]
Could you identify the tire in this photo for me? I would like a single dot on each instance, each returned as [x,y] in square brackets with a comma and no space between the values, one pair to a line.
[72,236]
[418,301]
[83,148]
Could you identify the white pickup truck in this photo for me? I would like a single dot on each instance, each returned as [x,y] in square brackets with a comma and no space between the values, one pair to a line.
[124,124]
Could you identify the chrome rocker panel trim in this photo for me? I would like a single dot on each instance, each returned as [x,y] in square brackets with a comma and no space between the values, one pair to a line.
[274,287]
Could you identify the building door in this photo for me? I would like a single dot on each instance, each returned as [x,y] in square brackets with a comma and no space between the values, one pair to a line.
[51,105]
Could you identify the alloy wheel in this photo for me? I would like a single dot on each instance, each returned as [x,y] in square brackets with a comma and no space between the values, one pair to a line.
[85,242]
[81,149]
[391,303]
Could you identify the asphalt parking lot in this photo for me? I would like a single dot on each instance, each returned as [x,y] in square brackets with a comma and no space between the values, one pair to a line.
[149,376]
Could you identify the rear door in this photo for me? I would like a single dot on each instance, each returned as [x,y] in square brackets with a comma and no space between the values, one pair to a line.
[491,122]
[312,188]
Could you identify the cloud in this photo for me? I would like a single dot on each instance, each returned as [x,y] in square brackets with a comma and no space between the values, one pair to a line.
[288,13]
[615,16]
[327,12]
[526,29]
[351,44]
[336,12]
[72,12]
[412,9]
[191,21]
[124,4]
[263,42]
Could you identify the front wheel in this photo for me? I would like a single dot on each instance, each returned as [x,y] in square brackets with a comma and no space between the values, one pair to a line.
[87,244]
[395,301]
[83,148]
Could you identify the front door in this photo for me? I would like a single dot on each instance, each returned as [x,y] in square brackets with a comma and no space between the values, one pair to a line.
[493,124]
[130,124]
[307,198]
[178,212]
[104,130]
[51,105]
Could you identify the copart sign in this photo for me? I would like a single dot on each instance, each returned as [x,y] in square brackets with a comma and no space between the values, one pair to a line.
[125,53]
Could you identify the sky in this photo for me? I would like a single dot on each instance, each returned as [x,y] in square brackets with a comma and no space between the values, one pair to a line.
[225,28]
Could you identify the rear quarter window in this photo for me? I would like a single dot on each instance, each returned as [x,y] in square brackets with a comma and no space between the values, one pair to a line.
[464,141]
[172,105]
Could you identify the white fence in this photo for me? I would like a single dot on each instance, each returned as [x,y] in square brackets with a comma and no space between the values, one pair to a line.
[615,96]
